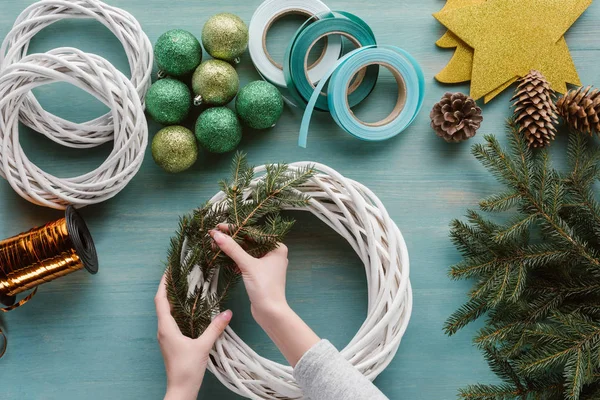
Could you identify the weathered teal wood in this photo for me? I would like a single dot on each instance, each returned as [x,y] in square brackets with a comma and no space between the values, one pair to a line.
[85,337]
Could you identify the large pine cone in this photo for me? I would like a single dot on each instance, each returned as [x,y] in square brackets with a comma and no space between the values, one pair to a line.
[580,109]
[535,112]
[456,117]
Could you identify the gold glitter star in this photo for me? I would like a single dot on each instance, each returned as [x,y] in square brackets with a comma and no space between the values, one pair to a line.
[510,37]
[461,64]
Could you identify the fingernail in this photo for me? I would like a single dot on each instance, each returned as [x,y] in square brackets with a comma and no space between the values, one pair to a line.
[217,235]
[226,315]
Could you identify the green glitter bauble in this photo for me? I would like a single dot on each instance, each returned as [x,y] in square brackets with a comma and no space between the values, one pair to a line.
[225,36]
[174,148]
[259,105]
[177,52]
[215,82]
[218,130]
[168,101]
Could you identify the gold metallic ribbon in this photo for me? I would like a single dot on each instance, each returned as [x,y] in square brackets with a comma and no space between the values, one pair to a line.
[41,255]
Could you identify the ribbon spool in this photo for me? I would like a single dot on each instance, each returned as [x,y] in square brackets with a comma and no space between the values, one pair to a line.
[44,254]
[411,91]
[263,19]
[337,23]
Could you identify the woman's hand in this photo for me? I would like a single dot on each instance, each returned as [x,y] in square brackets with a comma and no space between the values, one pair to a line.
[264,278]
[185,359]
[265,283]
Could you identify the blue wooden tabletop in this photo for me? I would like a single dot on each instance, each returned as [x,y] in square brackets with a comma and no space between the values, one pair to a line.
[94,337]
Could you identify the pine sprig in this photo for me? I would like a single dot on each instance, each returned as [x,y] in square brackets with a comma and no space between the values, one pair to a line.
[536,275]
[200,276]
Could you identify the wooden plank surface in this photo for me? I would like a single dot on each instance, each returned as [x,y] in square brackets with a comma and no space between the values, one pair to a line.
[86,337]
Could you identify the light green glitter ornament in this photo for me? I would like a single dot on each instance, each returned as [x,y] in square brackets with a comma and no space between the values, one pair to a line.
[259,105]
[174,148]
[218,130]
[168,101]
[225,36]
[177,53]
[215,83]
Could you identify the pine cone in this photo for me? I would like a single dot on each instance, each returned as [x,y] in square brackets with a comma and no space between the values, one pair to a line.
[535,112]
[456,117]
[580,109]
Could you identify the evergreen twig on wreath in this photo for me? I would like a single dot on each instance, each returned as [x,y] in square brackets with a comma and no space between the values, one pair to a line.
[199,281]
[536,274]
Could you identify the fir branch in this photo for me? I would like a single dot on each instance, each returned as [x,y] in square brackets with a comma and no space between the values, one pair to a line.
[537,275]
[500,202]
[503,367]
[467,313]
[489,392]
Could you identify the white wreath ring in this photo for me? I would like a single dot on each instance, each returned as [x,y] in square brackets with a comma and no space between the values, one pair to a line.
[123,25]
[354,212]
[98,77]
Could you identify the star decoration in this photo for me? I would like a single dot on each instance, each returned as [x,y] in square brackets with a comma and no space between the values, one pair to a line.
[460,66]
[498,41]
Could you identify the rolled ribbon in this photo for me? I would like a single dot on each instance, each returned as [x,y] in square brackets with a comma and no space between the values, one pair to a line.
[411,90]
[337,23]
[262,20]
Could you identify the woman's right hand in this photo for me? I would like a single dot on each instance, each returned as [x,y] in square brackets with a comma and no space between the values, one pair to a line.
[265,283]
[264,278]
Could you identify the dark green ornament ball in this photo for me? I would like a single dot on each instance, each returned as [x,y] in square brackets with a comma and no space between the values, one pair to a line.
[174,149]
[218,130]
[225,36]
[215,82]
[168,101]
[177,52]
[259,105]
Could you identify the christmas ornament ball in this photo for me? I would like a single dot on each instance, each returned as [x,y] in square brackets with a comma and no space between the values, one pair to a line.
[218,130]
[174,148]
[215,83]
[259,105]
[168,101]
[225,36]
[177,52]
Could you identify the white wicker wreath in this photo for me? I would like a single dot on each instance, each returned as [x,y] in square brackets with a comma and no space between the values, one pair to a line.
[123,25]
[98,77]
[354,212]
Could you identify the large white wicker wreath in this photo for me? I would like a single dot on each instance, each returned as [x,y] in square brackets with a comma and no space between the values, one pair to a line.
[354,212]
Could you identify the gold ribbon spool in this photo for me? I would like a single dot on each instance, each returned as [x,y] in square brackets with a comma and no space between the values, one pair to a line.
[41,255]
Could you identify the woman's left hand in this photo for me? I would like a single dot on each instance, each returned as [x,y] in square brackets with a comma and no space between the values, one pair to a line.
[185,359]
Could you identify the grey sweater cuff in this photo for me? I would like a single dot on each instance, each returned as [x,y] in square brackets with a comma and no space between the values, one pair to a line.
[323,374]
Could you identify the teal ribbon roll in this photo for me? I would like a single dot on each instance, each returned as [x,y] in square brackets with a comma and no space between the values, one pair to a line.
[295,65]
[411,91]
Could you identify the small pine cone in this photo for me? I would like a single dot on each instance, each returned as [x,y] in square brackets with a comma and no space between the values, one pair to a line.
[535,112]
[456,117]
[580,109]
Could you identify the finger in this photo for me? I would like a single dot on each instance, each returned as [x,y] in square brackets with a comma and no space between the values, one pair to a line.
[216,328]
[166,321]
[223,227]
[232,249]
[226,228]
[280,252]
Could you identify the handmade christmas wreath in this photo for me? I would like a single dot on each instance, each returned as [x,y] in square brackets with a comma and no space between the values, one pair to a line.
[351,209]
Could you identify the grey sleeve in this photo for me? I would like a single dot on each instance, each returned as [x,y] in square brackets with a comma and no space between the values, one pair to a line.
[324,374]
